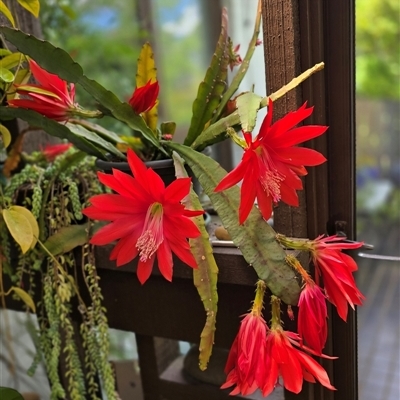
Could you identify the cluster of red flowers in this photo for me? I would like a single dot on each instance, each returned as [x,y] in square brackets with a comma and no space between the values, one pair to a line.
[149,221]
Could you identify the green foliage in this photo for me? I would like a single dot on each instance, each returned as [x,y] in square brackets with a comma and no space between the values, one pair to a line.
[378,48]
[61,225]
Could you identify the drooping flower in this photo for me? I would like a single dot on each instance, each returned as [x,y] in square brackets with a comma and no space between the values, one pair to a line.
[290,363]
[50,97]
[271,164]
[337,270]
[312,318]
[144,98]
[147,219]
[51,151]
[285,360]
[245,367]
[312,325]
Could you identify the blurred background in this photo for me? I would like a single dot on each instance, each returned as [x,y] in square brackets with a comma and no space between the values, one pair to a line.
[105,38]
[378,196]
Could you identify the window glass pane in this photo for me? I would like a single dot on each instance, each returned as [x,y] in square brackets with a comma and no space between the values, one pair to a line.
[378,196]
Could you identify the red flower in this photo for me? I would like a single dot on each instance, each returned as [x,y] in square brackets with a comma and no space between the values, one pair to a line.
[312,325]
[144,98]
[246,361]
[337,270]
[51,151]
[292,364]
[146,217]
[50,97]
[271,163]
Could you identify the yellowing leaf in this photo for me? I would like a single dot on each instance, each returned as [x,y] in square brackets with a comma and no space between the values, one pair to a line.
[4,10]
[6,75]
[21,77]
[12,60]
[24,297]
[32,221]
[13,157]
[147,71]
[33,6]
[20,228]
[6,136]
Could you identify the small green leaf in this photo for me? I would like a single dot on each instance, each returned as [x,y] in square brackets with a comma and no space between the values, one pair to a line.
[4,52]
[33,6]
[12,60]
[6,136]
[9,394]
[248,104]
[67,238]
[25,297]
[4,10]
[20,228]
[6,75]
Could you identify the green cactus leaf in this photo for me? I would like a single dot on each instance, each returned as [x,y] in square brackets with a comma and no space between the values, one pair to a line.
[53,128]
[255,238]
[205,276]
[248,104]
[59,62]
[212,88]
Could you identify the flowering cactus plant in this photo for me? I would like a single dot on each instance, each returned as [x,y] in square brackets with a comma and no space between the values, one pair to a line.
[150,221]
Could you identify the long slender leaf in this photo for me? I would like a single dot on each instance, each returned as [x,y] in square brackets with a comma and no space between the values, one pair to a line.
[255,238]
[52,128]
[94,138]
[205,276]
[211,89]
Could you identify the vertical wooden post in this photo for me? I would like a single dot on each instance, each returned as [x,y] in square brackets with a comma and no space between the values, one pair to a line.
[298,34]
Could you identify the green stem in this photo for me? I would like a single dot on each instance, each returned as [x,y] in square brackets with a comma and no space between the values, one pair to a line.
[276,312]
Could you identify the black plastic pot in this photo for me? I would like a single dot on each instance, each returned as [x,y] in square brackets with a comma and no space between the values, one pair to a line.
[164,168]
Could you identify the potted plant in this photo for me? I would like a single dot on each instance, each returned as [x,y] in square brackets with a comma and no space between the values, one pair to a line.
[151,220]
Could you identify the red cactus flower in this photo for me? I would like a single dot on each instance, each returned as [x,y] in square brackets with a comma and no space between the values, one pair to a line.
[245,365]
[50,97]
[293,365]
[312,325]
[51,151]
[144,98]
[337,270]
[271,163]
[147,219]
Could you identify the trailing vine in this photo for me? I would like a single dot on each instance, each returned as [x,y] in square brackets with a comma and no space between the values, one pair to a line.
[55,193]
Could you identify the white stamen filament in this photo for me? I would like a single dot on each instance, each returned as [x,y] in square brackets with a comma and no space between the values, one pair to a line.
[271,178]
[152,234]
